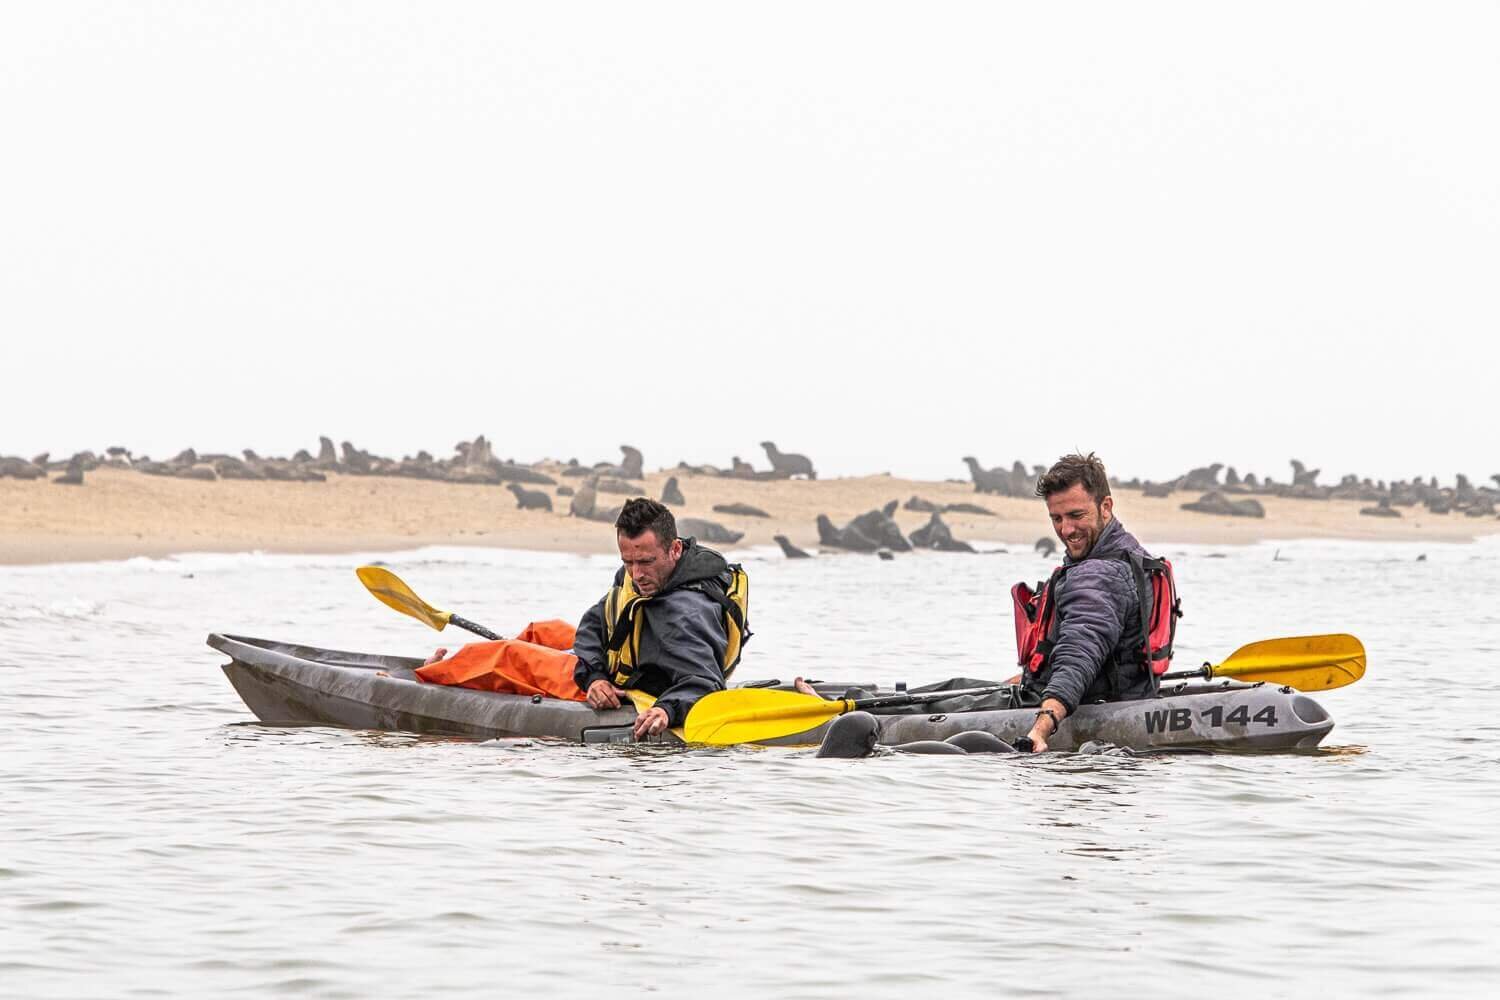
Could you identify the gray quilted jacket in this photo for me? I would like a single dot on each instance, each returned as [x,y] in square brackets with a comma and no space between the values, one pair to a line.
[1096,651]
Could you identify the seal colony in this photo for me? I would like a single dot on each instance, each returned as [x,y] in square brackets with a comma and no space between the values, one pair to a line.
[116,503]
[474,462]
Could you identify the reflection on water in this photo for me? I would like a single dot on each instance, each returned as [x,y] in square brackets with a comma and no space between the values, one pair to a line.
[156,839]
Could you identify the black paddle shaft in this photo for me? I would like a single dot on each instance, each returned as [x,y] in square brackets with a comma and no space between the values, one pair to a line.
[1205,672]
[893,700]
[469,626]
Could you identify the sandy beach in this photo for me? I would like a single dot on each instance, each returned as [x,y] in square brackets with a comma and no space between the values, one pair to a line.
[118,514]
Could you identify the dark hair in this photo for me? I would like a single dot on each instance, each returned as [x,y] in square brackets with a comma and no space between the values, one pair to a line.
[1069,471]
[643,514]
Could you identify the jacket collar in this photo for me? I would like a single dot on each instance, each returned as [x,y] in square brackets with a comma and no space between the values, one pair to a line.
[1105,545]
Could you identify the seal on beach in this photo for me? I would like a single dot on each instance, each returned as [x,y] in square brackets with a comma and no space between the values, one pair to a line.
[1303,476]
[936,534]
[630,465]
[788,549]
[850,537]
[671,494]
[582,504]
[510,472]
[233,468]
[1215,502]
[530,499]
[787,464]
[880,526]
[740,509]
[360,463]
[19,468]
[707,531]
[619,487]
[328,456]
[988,480]
[1045,546]
[74,474]
[1203,478]
[967,508]
[920,506]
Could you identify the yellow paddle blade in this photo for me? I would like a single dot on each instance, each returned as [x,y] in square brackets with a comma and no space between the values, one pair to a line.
[750,715]
[1307,663]
[643,701]
[390,590]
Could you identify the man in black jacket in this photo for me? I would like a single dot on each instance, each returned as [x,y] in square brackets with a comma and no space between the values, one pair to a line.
[667,620]
[1095,652]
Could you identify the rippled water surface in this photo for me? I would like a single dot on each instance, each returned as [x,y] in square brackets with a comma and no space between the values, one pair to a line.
[155,840]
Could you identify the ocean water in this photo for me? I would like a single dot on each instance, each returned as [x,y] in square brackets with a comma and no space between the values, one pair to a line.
[155,840]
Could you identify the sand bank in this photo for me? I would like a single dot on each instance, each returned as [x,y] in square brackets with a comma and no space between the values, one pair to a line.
[118,514]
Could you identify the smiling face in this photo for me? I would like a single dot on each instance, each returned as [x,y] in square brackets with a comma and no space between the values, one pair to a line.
[1077,519]
[648,561]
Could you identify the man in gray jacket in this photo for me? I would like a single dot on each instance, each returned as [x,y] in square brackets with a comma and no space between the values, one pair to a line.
[662,627]
[1096,647]
[671,625]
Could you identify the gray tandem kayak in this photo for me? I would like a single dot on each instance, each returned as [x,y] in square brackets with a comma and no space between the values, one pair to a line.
[290,684]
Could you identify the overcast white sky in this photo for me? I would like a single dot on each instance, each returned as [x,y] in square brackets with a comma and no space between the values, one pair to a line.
[884,235]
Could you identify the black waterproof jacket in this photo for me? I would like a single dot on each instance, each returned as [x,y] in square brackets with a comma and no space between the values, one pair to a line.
[682,641]
[1096,655]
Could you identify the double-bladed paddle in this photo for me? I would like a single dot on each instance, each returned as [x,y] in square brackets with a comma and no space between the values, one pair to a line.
[751,715]
[1307,663]
[390,590]
[742,715]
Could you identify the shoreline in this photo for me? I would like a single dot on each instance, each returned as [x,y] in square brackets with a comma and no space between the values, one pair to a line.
[120,515]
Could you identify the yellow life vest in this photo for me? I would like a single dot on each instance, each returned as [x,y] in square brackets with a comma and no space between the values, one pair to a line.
[623,620]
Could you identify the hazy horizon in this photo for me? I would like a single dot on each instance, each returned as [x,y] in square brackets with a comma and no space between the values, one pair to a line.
[1169,233]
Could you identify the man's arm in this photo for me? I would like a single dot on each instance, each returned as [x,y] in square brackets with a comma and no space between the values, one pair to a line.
[1048,717]
[689,642]
[1092,619]
[588,646]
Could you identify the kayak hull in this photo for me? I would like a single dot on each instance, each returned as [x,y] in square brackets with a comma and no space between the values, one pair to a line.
[291,684]
[1220,716]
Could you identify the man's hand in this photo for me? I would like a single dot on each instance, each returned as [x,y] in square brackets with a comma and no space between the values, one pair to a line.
[653,721]
[602,694]
[1043,727]
[435,657]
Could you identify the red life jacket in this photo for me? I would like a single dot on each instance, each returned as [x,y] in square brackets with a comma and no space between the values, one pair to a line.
[1036,615]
